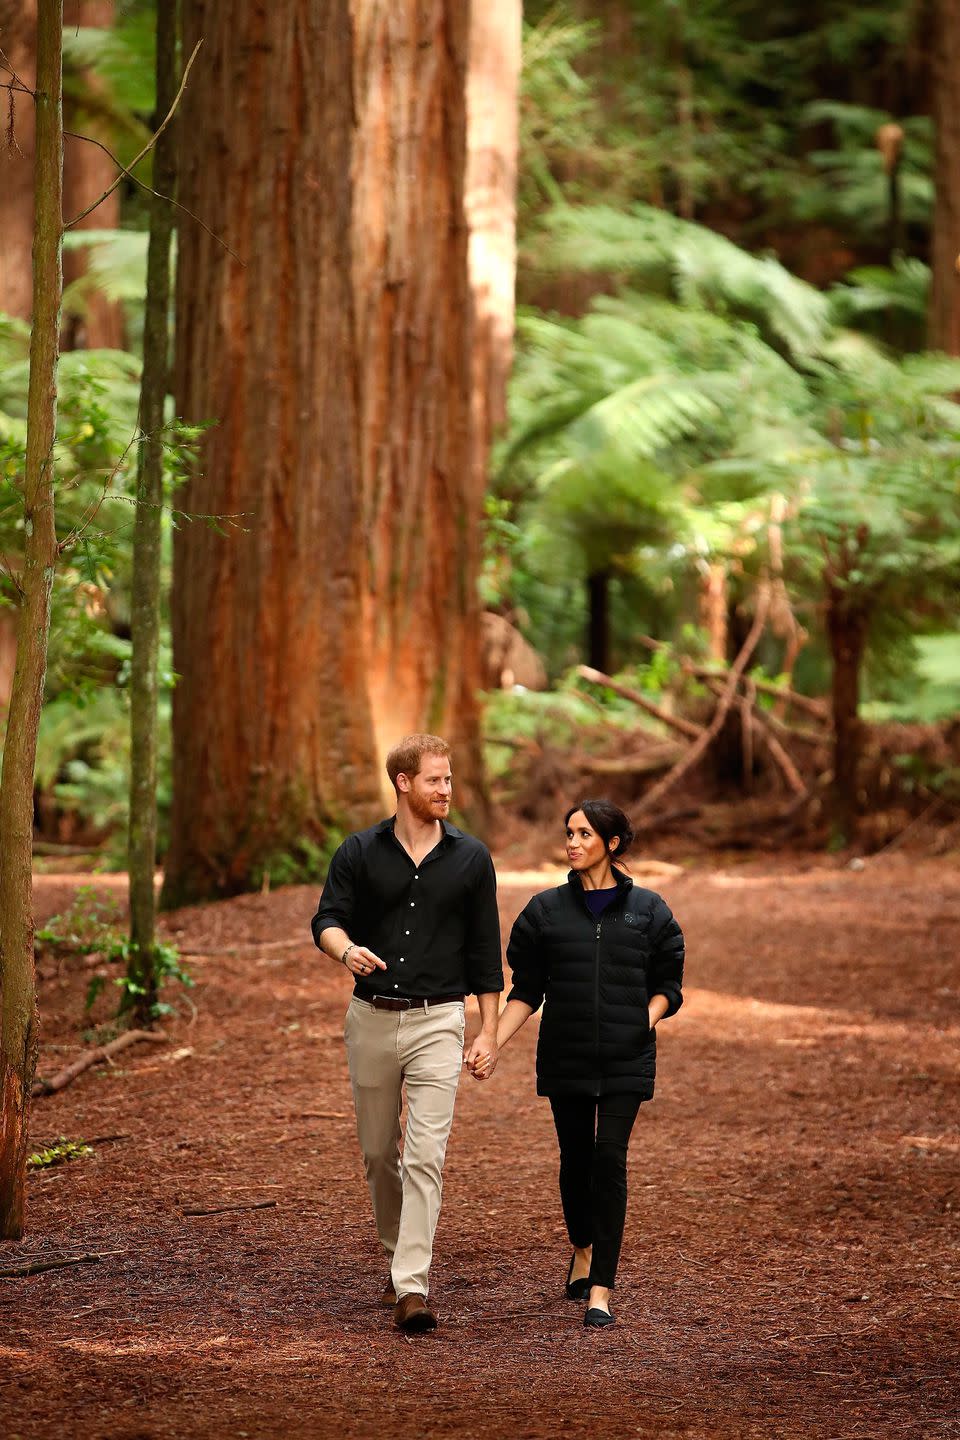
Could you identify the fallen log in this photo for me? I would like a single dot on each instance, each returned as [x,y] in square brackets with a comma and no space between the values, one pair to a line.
[103,1052]
[646,763]
[668,818]
[673,722]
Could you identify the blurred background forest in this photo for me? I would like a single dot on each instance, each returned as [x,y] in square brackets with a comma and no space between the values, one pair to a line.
[688,515]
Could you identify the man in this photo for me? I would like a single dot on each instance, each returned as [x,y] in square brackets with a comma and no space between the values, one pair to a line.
[410,909]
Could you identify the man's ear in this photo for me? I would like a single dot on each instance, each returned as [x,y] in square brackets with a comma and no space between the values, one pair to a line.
[403,782]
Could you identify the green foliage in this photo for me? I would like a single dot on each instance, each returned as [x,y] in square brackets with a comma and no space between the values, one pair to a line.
[933,693]
[84,741]
[655,428]
[737,111]
[61,1152]
[567,718]
[89,926]
[166,968]
[850,184]
[119,60]
[92,926]
[115,269]
[690,265]
[888,302]
[305,863]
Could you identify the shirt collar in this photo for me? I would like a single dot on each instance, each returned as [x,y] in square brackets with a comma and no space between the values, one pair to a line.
[450,832]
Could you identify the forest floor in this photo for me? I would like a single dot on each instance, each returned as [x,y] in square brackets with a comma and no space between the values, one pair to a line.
[790,1265]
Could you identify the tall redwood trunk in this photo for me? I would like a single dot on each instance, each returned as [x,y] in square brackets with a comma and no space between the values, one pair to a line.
[945,293]
[87,172]
[17,985]
[410,272]
[273,741]
[18,38]
[491,207]
[847,634]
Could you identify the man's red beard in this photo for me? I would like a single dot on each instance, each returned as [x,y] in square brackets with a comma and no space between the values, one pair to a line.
[425,809]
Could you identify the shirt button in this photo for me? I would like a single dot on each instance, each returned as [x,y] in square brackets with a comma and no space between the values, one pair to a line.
[416,877]
[406,932]
[396,987]
[401,959]
[412,904]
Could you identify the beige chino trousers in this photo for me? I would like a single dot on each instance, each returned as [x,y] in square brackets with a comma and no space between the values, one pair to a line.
[421,1050]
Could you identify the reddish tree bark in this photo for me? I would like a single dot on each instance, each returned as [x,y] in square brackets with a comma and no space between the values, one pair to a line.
[491,207]
[945,293]
[18,32]
[273,740]
[422,508]
[338,365]
[87,173]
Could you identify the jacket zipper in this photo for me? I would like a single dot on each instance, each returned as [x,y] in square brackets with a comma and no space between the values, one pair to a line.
[596,1008]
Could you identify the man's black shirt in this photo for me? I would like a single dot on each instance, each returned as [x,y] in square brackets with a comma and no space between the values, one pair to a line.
[435,924]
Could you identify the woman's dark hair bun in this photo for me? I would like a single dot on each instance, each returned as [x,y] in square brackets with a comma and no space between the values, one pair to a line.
[609,821]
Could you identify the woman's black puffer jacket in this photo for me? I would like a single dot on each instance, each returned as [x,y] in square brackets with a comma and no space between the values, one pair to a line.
[596,975]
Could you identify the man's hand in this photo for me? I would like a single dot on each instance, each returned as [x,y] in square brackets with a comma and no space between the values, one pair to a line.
[361,961]
[481,1058]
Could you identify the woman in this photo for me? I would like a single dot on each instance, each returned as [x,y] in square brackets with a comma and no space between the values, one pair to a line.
[605,958]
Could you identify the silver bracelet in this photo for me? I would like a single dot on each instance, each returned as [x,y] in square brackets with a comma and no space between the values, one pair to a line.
[351,946]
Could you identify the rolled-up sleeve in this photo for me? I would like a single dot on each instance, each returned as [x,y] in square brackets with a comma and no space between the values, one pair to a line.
[665,966]
[484,968]
[526,959]
[338,900]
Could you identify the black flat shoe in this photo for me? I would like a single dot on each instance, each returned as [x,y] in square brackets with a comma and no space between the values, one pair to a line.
[598,1319]
[577,1289]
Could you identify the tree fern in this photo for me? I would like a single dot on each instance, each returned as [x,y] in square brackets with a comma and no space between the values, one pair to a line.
[689,264]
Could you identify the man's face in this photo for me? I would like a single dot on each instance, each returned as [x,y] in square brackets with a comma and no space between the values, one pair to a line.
[428,792]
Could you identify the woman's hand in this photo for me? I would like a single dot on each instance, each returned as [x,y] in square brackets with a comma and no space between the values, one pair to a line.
[658,1007]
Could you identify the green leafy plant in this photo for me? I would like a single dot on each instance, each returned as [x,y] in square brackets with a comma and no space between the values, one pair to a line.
[91,926]
[61,1152]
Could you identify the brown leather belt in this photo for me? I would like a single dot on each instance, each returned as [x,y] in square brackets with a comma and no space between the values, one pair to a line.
[406,1002]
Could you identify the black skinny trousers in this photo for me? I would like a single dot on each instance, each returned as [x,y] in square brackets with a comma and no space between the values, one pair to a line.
[594,1134]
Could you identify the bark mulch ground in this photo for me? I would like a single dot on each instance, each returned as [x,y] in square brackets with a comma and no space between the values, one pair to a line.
[790,1266]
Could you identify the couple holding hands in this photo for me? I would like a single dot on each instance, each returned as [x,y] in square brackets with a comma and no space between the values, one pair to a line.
[409,908]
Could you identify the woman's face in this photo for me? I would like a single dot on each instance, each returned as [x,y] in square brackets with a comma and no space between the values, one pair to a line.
[585,848]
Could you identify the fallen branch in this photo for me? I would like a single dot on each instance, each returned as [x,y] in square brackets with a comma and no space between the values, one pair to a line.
[222,1209]
[667,818]
[768,724]
[652,760]
[674,722]
[811,706]
[700,745]
[102,1052]
[36,1267]
[936,804]
[780,757]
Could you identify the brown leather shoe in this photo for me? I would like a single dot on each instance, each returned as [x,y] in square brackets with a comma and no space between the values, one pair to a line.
[413,1316]
[388,1297]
